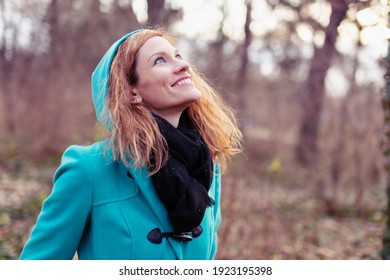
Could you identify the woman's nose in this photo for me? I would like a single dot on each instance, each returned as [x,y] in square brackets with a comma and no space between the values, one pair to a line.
[181,65]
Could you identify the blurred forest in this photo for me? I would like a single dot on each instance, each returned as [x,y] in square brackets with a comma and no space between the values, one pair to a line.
[305,78]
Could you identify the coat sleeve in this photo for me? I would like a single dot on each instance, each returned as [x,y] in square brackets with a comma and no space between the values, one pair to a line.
[64,213]
[217,209]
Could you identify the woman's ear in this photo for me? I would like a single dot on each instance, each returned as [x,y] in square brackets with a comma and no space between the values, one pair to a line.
[135,98]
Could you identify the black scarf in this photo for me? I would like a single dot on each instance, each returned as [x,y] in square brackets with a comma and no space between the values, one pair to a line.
[183,182]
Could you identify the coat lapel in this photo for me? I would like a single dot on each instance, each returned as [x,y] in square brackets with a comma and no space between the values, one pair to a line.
[144,181]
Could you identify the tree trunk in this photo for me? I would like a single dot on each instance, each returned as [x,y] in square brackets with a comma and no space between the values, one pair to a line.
[385,252]
[54,31]
[7,66]
[338,152]
[312,102]
[156,12]
[215,56]
[243,71]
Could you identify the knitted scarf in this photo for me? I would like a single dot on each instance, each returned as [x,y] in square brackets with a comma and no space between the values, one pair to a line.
[183,182]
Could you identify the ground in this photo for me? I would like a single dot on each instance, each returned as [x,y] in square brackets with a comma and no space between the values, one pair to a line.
[263,218]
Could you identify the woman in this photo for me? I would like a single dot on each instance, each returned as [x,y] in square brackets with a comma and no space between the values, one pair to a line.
[152,190]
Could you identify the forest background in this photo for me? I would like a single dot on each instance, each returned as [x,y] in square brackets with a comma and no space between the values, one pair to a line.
[305,77]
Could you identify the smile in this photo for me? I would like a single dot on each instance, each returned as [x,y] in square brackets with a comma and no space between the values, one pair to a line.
[181,82]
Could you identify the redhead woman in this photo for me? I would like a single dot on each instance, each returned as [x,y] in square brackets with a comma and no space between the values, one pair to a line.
[151,190]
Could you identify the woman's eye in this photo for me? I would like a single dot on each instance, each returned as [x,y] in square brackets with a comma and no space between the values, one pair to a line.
[159,60]
[178,56]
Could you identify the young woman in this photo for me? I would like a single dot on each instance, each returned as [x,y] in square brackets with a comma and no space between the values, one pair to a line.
[152,189]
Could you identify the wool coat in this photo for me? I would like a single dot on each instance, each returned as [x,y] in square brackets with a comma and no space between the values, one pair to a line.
[105,210]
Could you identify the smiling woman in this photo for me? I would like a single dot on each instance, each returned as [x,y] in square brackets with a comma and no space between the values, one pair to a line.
[155,183]
[164,82]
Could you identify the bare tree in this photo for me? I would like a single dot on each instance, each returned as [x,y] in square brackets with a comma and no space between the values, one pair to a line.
[156,12]
[159,14]
[124,18]
[312,101]
[52,18]
[244,62]
[216,52]
[385,252]
[7,67]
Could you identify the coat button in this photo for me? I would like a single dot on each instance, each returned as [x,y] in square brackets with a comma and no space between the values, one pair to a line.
[155,236]
[197,231]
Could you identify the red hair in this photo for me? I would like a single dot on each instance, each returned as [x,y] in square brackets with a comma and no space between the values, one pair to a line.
[135,136]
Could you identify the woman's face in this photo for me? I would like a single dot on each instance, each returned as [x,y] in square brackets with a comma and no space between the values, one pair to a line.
[164,79]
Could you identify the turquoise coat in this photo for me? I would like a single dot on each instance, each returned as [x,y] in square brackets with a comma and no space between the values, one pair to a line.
[105,210]
[101,211]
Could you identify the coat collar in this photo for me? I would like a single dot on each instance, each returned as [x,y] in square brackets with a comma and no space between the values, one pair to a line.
[144,182]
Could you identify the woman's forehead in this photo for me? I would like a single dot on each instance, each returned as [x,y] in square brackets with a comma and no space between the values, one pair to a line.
[154,45]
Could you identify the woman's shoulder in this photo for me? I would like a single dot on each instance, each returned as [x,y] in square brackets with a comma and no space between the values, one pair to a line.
[93,166]
[88,150]
[91,157]
[97,151]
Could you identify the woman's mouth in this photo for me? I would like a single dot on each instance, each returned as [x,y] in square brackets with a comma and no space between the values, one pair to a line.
[182,82]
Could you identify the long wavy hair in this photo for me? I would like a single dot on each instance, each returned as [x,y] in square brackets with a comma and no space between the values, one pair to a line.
[135,135]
